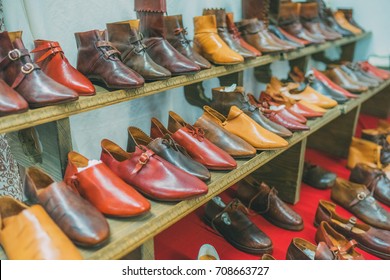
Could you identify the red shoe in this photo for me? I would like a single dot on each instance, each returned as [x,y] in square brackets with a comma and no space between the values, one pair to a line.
[335,87]
[150,174]
[50,57]
[383,74]
[103,189]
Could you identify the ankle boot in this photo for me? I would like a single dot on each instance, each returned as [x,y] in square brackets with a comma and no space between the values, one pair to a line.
[223,32]
[381,138]
[288,19]
[348,13]
[26,78]
[236,35]
[210,45]
[128,40]
[224,98]
[151,15]
[311,21]
[10,101]
[176,35]
[253,32]
[260,9]
[51,58]
[100,62]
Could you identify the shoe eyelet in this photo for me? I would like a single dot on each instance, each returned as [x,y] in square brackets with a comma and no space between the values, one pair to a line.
[361,196]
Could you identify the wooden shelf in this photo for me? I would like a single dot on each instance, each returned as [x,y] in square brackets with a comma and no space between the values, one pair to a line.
[105,98]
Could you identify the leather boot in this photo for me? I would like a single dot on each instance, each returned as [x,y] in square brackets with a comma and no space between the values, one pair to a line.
[363,151]
[100,62]
[311,21]
[288,19]
[223,32]
[10,101]
[151,15]
[236,35]
[254,33]
[343,22]
[176,35]
[26,78]
[348,14]
[330,21]
[128,40]
[380,138]
[260,9]
[223,99]
[51,58]
[208,43]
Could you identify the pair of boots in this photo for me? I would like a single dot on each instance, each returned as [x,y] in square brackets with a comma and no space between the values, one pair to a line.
[22,83]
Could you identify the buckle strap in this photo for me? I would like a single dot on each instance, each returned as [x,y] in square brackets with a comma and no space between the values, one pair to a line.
[25,70]
[107,48]
[51,47]
[351,223]
[13,55]
[360,196]
[143,159]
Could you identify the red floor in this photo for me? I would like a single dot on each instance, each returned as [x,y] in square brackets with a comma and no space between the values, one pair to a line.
[183,240]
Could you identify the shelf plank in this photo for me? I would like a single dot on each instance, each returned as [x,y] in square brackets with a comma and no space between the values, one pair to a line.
[105,98]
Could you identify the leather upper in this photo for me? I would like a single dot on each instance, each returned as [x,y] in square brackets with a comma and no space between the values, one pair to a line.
[38,237]
[10,101]
[150,174]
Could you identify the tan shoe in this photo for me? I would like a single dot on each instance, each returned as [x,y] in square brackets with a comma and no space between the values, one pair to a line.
[208,43]
[343,22]
[364,151]
[28,233]
[240,124]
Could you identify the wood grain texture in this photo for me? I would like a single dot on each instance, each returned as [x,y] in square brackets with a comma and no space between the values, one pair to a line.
[285,172]
[104,98]
[378,105]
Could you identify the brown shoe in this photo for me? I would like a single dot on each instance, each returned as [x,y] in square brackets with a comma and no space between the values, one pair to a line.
[28,233]
[345,249]
[128,40]
[176,35]
[77,218]
[358,200]
[372,240]
[301,249]
[100,61]
[230,143]
[26,78]
[374,179]
[341,78]
[231,222]
[265,201]
[10,101]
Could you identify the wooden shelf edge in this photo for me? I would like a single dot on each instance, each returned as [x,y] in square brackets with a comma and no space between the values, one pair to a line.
[104,98]
[157,224]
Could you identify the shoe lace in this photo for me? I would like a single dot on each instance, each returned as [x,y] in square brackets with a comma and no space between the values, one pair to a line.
[183,32]
[196,132]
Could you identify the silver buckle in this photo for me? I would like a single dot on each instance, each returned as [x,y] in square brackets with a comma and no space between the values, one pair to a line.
[14,52]
[361,196]
[30,67]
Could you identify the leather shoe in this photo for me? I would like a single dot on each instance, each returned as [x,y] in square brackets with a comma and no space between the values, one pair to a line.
[363,151]
[372,240]
[10,101]
[230,143]
[77,218]
[103,189]
[264,200]
[169,150]
[374,179]
[51,58]
[240,124]
[194,141]
[301,249]
[317,177]
[232,223]
[345,249]
[28,233]
[342,79]
[357,199]
[380,138]
[208,43]
[150,174]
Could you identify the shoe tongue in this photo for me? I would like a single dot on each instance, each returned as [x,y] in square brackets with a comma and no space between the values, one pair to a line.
[323,252]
